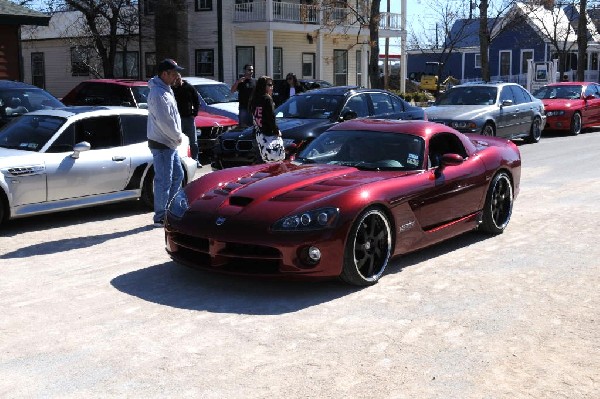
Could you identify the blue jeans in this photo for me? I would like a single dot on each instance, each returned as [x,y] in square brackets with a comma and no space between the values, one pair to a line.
[189,129]
[245,118]
[168,177]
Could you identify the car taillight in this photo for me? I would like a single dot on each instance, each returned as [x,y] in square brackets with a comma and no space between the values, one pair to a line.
[189,151]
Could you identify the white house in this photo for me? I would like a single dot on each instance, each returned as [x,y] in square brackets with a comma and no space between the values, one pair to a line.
[277,37]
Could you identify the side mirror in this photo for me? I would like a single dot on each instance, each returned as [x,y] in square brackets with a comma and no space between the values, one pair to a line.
[589,97]
[451,160]
[79,147]
[507,103]
[347,115]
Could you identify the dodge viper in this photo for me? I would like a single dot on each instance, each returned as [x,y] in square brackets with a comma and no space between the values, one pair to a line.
[357,195]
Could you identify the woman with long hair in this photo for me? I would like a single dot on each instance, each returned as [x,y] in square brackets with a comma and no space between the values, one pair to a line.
[269,143]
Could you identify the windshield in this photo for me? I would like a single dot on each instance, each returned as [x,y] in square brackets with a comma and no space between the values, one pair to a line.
[468,95]
[30,132]
[310,106]
[140,93]
[219,93]
[365,150]
[15,102]
[570,92]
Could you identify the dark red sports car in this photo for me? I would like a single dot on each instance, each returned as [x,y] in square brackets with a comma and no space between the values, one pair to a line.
[360,193]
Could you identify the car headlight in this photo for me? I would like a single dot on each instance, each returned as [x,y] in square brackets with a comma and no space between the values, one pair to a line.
[179,204]
[555,113]
[463,125]
[315,219]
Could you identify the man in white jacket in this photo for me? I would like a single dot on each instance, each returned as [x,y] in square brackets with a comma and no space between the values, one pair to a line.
[164,136]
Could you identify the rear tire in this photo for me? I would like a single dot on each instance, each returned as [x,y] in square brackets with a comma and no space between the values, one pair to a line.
[576,124]
[368,248]
[148,190]
[498,205]
[535,133]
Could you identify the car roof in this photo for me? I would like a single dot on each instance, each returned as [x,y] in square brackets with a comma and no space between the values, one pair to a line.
[571,83]
[69,111]
[13,84]
[335,90]
[121,82]
[194,80]
[420,128]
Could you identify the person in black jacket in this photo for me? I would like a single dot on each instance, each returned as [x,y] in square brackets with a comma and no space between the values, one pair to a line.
[293,87]
[269,144]
[188,104]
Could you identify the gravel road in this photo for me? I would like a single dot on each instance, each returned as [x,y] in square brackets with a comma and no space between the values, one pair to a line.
[92,306]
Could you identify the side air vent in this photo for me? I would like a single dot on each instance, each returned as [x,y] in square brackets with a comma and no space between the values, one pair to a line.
[26,170]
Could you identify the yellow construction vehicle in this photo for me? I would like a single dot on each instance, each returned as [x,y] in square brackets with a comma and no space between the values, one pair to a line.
[429,79]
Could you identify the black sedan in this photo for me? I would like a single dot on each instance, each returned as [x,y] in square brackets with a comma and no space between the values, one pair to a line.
[305,116]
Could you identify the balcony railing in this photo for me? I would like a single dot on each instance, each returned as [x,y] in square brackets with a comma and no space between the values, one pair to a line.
[256,11]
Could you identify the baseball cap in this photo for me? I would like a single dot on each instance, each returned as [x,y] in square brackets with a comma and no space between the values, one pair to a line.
[168,64]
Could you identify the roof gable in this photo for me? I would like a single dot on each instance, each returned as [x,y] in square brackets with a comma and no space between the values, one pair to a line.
[14,14]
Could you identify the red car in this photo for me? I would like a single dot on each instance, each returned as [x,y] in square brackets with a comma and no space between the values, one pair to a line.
[570,106]
[358,194]
[133,93]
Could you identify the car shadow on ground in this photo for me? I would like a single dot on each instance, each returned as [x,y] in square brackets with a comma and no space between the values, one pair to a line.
[67,244]
[55,220]
[178,286]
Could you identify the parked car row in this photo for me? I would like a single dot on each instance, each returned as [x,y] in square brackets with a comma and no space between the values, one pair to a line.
[50,147]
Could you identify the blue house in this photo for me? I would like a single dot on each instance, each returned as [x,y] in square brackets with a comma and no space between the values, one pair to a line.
[523,34]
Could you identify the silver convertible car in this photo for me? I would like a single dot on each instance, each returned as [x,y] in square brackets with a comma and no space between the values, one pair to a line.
[73,157]
[491,109]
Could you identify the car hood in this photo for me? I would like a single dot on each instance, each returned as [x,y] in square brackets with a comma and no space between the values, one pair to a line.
[276,188]
[204,119]
[230,110]
[458,112]
[561,103]
[18,158]
[290,128]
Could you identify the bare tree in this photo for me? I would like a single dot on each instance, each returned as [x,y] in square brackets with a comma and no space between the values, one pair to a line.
[555,25]
[454,25]
[582,40]
[106,26]
[361,14]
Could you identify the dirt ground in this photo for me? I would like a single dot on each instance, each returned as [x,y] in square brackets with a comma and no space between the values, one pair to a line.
[92,306]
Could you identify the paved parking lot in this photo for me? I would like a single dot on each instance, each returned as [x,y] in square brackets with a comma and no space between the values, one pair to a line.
[93,307]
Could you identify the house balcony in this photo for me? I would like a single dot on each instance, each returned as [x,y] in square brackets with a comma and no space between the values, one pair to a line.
[304,14]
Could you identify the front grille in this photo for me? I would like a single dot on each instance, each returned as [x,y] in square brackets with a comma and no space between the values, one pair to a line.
[237,145]
[210,132]
[226,256]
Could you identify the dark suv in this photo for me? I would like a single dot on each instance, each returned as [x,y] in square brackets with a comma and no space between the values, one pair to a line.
[17,98]
[305,116]
[126,92]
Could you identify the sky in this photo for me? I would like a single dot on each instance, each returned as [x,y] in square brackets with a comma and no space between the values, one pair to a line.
[416,10]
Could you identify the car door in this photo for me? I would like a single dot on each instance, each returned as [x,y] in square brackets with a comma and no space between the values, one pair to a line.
[357,104]
[525,109]
[507,120]
[103,169]
[452,192]
[591,111]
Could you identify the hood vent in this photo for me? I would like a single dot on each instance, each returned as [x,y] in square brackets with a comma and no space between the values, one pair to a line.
[237,200]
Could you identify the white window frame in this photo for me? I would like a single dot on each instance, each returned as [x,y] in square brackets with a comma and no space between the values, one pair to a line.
[523,61]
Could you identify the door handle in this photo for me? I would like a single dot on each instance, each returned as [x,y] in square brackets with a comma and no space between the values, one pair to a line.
[118,158]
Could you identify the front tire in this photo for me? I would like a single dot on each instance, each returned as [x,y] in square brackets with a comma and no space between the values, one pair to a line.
[498,205]
[575,124]
[488,130]
[368,248]
[535,133]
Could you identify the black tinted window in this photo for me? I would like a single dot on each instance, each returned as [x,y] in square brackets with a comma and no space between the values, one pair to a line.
[134,128]
[520,95]
[100,132]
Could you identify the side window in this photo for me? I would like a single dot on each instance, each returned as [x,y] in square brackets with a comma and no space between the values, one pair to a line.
[520,95]
[101,132]
[358,104]
[382,104]
[444,143]
[398,104]
[64,142]
[592,90]
[506,94]
[134,128]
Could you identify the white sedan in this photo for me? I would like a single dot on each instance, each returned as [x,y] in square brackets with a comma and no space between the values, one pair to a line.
[74,157]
